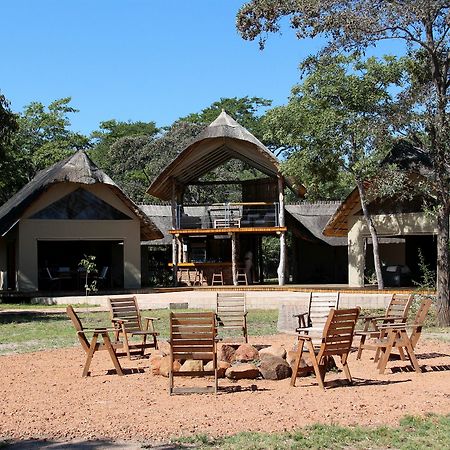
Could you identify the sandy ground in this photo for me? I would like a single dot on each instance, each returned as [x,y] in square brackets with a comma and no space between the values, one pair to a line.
[43,396]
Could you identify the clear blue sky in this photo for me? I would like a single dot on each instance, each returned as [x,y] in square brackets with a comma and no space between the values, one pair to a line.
[149,60]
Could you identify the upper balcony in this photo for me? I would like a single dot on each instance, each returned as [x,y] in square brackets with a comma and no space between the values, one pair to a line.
[222,216]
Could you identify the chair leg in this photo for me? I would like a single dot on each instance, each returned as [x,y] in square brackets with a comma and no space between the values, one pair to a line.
[387,351]
[171,374]
[144,341]
[90,354]
[319,375]
[346,368]
[410,352]
[112,354]
[361,345]
[300,343]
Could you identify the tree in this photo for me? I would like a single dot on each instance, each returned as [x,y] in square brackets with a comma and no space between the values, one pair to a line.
[44,136]
[110,132]
[338,119]
[424,26]
[8,124]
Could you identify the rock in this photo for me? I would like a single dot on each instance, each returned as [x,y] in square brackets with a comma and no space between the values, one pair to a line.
[222,366]
[240,371]
[227,353]
[192,365]
[274,368]
[246,352]
[165,365]
[274,350]
[155,363]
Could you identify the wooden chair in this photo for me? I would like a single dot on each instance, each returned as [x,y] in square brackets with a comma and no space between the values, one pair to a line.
[126,318]
[395,335]
[241,277]
[320,304]
[396,312]
[337,340]
[91,347]
[217,279]
[231,311]
[193,335]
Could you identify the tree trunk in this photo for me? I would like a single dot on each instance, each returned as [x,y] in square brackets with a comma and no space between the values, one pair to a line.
[373,234]
[443,298]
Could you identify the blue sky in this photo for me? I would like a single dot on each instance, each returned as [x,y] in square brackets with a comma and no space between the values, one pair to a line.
[149,60]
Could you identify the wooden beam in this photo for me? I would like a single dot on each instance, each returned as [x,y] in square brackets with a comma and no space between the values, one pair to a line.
[282,265]
[248,230]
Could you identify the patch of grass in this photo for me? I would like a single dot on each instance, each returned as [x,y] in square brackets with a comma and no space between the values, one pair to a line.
[413,433]
[31,330]
[34,306]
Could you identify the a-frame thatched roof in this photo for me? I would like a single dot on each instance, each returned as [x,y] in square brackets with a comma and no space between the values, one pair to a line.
[222,140]
[78,168]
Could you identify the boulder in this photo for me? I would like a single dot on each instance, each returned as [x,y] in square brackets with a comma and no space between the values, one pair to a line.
[155,363]
[274,350]
[240,371]
[274,368]
[192,365]
[222,366]
[165,365]
[246,352]
[306,362]
[227,353]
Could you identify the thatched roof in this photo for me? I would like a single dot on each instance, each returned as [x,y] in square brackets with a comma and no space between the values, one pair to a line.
[406,157]
[222,140]
[80,169]
[313,217]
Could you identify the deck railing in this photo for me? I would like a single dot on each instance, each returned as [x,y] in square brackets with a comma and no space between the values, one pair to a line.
[228,215]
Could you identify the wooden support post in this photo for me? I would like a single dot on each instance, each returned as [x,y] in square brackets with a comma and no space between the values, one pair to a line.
[174,227]
[282,265]
[234,257]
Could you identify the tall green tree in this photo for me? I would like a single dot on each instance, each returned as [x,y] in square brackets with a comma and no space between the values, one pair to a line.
[44,136]
[110,132]
[8,124]
[423,25]
[339,119]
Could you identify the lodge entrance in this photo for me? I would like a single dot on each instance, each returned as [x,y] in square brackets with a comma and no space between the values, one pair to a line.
[58,264]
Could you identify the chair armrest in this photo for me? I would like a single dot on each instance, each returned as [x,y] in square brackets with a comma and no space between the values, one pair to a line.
[300,314]
[95,330]
[396,326]
[151,318]
[119,320]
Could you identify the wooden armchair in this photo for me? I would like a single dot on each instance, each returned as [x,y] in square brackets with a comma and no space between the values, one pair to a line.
[395,335]
[193,335]
[91,347]
[396,312]
[337,340]
[231,311]
[126,319]
[320,304]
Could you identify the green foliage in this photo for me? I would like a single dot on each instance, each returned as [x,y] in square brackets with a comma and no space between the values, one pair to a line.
[336,122]
[112,131]
[8,125]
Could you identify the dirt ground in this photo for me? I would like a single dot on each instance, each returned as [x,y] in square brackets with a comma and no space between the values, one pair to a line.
[43,396]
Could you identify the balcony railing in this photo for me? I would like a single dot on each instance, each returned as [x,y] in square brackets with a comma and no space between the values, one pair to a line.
[228,215]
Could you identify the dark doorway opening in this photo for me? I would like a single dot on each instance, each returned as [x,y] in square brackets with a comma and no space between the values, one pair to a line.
[58,264]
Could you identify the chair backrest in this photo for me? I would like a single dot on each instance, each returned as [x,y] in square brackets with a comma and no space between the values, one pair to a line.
[126,308]
[337,335]
[320,304]
[192,335]
[231,308]
[399,306]
[419,320]
[78,327]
